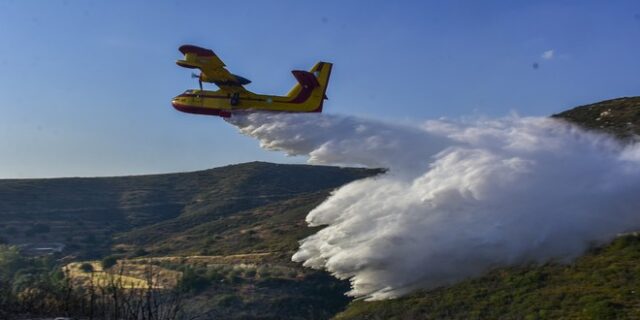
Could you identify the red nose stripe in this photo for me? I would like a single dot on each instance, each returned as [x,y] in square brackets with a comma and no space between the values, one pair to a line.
[200,110]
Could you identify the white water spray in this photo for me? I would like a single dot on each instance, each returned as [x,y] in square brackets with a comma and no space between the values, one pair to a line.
[458,199]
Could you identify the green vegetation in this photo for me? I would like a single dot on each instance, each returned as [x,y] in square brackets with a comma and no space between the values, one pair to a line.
[108,262]
[86,267]
[154,214]
[26,282]
[140,252]
[604,284]
[31,287]
[193,281]
[252,215]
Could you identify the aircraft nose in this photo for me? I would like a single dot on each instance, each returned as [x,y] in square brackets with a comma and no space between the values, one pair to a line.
[176,104]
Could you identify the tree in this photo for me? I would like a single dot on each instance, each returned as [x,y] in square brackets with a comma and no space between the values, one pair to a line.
[193,282]
[140,252]
[10,261]
[86,267]
[108,262]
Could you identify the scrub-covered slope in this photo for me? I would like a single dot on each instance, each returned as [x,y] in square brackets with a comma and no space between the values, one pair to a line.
[603,284]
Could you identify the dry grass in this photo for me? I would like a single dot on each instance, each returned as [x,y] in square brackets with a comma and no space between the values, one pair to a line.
[248,258]
[126,274]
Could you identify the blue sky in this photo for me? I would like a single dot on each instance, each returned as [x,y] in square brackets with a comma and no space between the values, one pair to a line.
[86,85]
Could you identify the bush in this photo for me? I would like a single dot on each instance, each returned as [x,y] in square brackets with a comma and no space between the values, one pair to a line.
[109,262]
[234,279]
[140,252]
[264,272]
[10,261]
[250,273]
[215,275]
[192,281]
[625,242]
[601,310]
[86,267]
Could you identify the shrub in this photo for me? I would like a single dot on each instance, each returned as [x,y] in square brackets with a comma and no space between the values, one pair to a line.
[264,272]
[250,273]
[192,281]
[215,275]
[10,261]
[108,262]
[140,252]
[601,310]
[86,267]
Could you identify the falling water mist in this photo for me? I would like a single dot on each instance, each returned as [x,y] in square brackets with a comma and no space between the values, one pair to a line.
[458,199]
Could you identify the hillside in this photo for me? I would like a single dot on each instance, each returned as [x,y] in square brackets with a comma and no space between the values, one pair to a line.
[620,117]
[604,284]
[232,230]
[85,214]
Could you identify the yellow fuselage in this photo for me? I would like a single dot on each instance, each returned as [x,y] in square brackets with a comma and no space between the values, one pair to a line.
[301,98]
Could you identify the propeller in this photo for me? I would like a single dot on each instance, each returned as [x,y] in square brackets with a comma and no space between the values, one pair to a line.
[193,75]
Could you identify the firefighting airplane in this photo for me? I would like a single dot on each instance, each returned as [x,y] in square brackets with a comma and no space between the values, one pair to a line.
[306,96]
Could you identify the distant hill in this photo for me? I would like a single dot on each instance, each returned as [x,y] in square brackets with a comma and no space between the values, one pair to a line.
[88,215]
[620,117]
[244,208]
[236,228]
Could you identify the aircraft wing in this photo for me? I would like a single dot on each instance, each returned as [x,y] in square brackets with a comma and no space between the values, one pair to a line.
[213,69]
